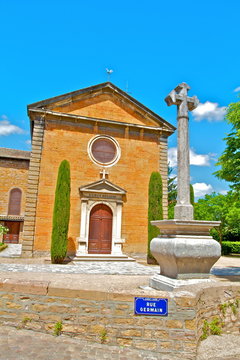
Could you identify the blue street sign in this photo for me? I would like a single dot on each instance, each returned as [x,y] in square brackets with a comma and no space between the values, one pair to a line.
[150,306]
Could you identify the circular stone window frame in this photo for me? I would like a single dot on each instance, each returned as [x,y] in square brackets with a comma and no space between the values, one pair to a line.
[109,138]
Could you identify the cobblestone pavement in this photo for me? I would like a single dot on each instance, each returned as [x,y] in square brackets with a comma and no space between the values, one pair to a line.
[12,250]
[100,267]
[103,268]
[30,345]
[229,271]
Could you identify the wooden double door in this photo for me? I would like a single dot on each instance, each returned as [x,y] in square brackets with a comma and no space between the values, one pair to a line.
[12,235]
[100,230]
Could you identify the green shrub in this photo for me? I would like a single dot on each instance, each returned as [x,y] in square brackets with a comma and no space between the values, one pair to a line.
[61,214]
[230,247]
[3,246]
[58,328]
[3,229]
[211,328]
[155,211]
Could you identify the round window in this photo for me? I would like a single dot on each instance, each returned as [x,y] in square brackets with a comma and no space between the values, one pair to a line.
[104,150]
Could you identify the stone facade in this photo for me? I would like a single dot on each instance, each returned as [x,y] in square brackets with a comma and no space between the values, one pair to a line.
[109,317]
[62,128]
[14,165]
[32,188]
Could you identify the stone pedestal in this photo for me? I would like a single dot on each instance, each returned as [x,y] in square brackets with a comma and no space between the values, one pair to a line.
[185,251]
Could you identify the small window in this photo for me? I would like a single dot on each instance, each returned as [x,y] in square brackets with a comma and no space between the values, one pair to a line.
[14,205]
[104,150]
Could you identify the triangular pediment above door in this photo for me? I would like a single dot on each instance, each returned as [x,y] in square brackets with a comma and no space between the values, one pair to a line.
[103,186]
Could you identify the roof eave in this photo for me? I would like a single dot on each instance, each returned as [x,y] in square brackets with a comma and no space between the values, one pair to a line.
[42,104]
[86,118]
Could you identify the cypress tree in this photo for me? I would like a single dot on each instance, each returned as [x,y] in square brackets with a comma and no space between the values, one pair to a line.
[61,214]
[155,211]
[191,195]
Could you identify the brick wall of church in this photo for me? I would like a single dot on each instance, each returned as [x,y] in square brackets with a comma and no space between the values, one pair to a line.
[139,157]
[13,174]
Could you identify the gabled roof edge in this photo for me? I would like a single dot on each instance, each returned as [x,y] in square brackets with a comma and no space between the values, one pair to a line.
[41,104]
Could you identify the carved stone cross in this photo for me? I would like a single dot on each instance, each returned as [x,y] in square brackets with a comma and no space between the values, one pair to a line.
[104,174]
[183,209]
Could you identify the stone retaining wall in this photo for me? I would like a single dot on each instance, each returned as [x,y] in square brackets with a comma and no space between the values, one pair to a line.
[109,317]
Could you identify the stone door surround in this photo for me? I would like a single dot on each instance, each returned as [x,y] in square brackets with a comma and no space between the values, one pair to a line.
[106,193]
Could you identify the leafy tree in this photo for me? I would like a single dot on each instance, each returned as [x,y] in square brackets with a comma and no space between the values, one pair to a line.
[230,159]
[172,193]
[155,211]
[219,207]
[3,229]
[61,214]
[172,187]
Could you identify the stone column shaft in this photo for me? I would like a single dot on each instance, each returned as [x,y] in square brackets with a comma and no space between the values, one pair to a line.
[183,209]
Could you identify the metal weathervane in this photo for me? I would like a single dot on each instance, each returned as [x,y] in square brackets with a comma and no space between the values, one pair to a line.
[109,73]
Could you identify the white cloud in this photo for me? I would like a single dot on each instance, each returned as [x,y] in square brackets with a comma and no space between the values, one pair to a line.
[199,160]
[195,159]
[237,89]
[209,111]
[6,128]
[201,189]
[172,156]
[28,143]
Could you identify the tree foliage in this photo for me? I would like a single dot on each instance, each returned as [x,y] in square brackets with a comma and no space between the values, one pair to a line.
[155,210]
[61,214]
[172,193]
[224,208]
[3,229]
[230,159]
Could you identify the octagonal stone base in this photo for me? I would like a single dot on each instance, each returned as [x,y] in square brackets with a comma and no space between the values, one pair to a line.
[185,250]
[160,282]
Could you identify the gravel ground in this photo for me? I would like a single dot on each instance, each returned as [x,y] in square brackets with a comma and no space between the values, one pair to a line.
[224,347]
[28,345]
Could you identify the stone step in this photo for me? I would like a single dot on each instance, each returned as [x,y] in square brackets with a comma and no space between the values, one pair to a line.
[102,257]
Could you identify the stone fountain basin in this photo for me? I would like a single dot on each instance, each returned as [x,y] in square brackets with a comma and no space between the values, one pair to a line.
[185,250]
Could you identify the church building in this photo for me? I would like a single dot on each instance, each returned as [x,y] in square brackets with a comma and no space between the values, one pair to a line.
[113,143]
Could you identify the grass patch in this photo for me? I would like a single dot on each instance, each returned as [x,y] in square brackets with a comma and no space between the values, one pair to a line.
[58,328]
[211,328]
[3,246]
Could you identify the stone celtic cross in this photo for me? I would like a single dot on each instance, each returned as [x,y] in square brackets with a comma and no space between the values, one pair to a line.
[179,96]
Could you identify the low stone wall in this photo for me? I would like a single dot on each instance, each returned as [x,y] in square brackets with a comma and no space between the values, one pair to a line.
[109,317]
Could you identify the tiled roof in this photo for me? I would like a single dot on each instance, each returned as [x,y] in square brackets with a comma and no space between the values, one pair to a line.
[12,217]
[15,154]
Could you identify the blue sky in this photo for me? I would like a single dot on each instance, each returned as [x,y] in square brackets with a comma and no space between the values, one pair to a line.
[52,47]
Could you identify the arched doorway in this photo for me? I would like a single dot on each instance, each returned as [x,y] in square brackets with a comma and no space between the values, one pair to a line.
[100,230]
[14,208]
[14,204]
